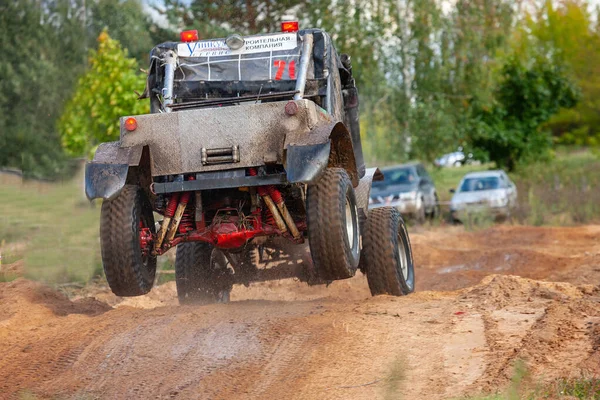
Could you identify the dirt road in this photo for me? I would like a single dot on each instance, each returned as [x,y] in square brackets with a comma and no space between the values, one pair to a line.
[287,340]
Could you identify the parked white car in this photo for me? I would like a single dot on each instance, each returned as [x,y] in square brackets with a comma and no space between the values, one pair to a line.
[489,191]
[455,159]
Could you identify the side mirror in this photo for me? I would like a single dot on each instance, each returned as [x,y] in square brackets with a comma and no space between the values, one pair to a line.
[452,190]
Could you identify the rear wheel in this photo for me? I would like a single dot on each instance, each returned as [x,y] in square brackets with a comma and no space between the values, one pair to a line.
[202,274]
[333,226]
[126,229]
[387,253]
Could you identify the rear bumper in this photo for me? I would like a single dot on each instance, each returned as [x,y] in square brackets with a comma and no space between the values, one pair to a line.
[220,180]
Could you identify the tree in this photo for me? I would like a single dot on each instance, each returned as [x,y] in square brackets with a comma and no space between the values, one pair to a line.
[41,46]
[125,21]
[105,93]
[526,97]
[568,35]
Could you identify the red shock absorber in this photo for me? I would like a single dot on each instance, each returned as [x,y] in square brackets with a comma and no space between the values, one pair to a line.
[172,206]
[272,216]
[187,219]
[275,194]
[262,190]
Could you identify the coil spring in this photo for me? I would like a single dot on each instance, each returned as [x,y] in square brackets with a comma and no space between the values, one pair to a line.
[269,219]
[187,221]
[172,206]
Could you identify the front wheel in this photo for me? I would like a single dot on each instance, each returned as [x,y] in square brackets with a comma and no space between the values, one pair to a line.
[126,229]
[387,254]
[333,226]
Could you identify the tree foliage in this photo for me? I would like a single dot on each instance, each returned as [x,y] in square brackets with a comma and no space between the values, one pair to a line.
[105,93]
[568,33]
[39,64]
[125,21]
[45,50]
[526,97]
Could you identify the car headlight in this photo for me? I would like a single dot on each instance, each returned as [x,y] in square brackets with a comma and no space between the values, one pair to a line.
[499,201]
[408,195]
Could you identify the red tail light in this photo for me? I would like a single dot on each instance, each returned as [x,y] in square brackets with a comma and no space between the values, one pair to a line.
[189,36]
[130,124]
[289,26]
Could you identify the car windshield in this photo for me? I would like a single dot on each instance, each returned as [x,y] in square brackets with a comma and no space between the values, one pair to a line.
[478,184]
[400,176]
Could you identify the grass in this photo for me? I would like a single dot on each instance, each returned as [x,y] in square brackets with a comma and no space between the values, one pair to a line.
[522,387]
[563,192]
[52,228]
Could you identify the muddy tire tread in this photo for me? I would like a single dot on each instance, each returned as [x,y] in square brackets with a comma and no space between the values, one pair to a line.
[196,282]
[326,229]
[380,247]
[121,253]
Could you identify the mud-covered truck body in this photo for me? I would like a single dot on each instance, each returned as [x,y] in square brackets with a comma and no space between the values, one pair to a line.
[252,148]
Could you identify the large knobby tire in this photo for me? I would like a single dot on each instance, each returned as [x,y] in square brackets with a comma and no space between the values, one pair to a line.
[201,274]
[127,270]
[246,262]
[387,253]
[333,225]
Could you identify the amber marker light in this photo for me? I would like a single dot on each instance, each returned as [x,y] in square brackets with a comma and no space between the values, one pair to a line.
[289,26]
[189,36]
[130,124]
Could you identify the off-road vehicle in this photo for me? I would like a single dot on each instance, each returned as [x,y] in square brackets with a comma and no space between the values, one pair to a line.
[251,150]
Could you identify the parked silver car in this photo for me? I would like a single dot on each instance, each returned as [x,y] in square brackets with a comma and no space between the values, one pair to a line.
[408,188]
[491,191]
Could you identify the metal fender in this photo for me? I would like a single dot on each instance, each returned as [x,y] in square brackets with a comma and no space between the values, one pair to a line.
[305,164]
[104,180]
[311,147]
[106,175]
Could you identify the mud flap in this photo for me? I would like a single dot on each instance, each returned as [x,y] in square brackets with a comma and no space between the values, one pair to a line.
[104,180]
[305,164]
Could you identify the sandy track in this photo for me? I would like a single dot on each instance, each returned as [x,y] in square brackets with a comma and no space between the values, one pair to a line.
[287,340]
